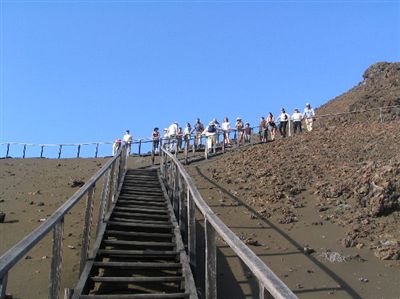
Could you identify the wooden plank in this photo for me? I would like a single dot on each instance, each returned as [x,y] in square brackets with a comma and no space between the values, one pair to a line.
[211,261]
[137,234]
[138,296]
[137,279]
[138,225]
[3,286]
[148,252]
[127,220]
[87,228]
[144,209]
[139,243]
[137,265]
[56,260]
[138,215]
[191,236]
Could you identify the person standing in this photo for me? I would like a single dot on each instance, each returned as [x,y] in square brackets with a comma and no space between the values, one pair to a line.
[172,135]
[179,137]
[239,127]
[226,127]
[186,135]
[271,126]
[283,121]
[309,116]
[128,142]
[297,117]
[247,133]
[197,130]
[262,129]
[116,146]
[155,140]
[211,133]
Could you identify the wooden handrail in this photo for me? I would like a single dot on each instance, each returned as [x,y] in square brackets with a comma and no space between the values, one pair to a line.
[267,279]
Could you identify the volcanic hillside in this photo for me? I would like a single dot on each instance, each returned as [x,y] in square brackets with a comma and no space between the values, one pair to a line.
[349,172]
[380,87]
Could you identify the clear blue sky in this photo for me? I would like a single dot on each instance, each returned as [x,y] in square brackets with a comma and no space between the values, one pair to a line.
[76,71]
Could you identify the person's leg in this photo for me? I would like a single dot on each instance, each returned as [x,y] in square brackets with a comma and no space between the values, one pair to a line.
[284,128]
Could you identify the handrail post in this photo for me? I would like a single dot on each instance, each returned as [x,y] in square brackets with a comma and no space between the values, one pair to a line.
[3,286]
[191,232]
[87,228]
[140,147]
[211,261]
[175,193]
[41,151]
[79,151]
[24,151]
[59,151]
[55,272]
[97,150]
[8,150]
[103,200]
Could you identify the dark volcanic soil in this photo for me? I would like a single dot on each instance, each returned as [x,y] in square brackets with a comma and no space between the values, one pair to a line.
[354,172]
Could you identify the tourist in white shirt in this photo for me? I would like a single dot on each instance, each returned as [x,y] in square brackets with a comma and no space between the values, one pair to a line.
[226,127]
[297,117]
[172,135]
[309,116]
[283,121]
[128,141]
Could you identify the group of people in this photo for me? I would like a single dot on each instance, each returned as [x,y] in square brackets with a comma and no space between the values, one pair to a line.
[127,139]
[176,138]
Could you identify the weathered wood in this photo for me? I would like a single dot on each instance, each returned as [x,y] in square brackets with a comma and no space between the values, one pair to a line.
[138,279]
[87,228]
[211,261]
[56,260]
[261,290]
[191,232]
[68,293]
[3,286]
[138,296]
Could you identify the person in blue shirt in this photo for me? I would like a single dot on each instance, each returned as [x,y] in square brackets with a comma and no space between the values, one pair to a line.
[309,116]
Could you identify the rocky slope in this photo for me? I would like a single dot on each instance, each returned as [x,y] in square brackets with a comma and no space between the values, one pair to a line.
[380,87]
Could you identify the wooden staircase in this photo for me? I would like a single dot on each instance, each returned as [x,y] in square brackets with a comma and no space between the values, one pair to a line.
[140,254]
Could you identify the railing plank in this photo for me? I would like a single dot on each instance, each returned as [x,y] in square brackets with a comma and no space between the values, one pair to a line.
[211,261]
[55,271]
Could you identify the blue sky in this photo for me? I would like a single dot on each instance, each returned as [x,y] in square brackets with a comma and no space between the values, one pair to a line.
[77,71]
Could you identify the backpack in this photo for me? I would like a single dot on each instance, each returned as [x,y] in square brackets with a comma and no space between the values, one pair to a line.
[212,129]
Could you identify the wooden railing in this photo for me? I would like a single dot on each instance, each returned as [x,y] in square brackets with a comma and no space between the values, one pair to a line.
[185,200]
[113,173]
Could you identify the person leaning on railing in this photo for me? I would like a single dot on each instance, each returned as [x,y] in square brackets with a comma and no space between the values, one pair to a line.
[211,132]
[197,130]
[296,118]
[155,137]
[239,127]
[186,135]
[309,116]
[262,129]
[247,133]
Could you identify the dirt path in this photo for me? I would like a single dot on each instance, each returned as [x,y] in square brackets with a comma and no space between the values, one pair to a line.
[282,247]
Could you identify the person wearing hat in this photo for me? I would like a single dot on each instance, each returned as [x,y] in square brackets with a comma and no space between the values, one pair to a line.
[297,117]
[283,121]
[116,146]
[239,128]
[309,116]
[128,141]
[211,133]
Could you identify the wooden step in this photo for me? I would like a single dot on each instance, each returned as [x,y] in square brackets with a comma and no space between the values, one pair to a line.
[137,265]
[138,296]
[147,252]
[137,234]
[138,243]
[137,279]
